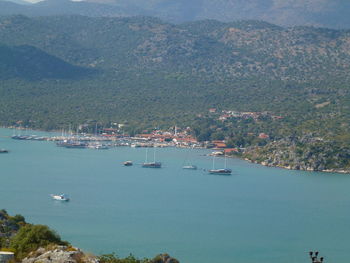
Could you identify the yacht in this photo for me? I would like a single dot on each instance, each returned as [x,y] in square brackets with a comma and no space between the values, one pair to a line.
[61,197]
[153,164]
[189,167]
[221,171]
[186,164]
[3,151]
[72,144]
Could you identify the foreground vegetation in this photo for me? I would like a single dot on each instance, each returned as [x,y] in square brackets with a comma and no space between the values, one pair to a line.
[28,240]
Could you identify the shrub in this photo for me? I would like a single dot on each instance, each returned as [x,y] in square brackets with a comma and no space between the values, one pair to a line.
[31,237]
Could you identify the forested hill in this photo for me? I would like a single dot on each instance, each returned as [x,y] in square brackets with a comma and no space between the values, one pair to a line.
[28,62]
[323,13]
[149,71]
[239,50]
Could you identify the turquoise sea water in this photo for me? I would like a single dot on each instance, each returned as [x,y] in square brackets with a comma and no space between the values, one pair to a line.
[258,214]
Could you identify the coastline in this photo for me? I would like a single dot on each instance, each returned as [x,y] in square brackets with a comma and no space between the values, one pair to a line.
[289,167]
[296,167]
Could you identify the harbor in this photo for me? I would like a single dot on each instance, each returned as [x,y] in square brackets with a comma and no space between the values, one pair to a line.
[127,209]
[106,141]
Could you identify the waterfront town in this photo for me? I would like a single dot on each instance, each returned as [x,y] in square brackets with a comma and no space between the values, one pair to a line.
[115,135]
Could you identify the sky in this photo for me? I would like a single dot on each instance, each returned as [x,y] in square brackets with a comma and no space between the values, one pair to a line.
[35,1]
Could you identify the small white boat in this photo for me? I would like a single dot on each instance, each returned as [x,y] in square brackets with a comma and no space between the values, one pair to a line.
[61,197]
[190,167]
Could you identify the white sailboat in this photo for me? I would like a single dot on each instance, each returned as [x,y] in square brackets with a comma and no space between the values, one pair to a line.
[189,166]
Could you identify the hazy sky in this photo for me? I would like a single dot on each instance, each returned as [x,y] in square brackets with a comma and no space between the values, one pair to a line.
[32,1]
[35,1]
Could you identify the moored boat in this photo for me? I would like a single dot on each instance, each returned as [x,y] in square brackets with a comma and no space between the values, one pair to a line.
[189,167]
[220,171]
[72,144]
[62,197]
[128,163]
[152,165]
[3,151]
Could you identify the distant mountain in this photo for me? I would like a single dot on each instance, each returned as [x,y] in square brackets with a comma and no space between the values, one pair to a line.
[321,13]
[20,2]
[30,63]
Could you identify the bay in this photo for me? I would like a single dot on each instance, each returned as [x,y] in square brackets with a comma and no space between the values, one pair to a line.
[258,214]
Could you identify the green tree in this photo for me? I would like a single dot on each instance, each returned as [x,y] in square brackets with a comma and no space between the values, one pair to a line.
[31,237]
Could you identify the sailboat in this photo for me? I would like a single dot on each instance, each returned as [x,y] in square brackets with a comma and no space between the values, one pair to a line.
[222,171]
[189,166]
[153,164]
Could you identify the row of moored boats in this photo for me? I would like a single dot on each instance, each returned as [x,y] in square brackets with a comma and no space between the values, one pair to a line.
[222,171]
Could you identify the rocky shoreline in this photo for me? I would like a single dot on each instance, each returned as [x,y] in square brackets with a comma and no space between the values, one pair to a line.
[69,254]
[297,167]
[306,153]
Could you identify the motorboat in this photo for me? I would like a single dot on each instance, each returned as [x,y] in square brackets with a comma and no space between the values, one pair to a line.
[62,197]
[128,163]
[189,167]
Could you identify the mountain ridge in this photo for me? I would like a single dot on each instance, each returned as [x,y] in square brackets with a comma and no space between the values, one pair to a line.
[322,13]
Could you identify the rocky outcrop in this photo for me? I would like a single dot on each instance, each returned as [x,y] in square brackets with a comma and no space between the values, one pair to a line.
[164,258]
[67,254]
[59,254]
[307,153]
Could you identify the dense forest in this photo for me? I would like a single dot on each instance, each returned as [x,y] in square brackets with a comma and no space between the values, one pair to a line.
[75,69]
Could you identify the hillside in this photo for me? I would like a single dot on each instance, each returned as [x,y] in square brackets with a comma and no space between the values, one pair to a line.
[248,65]
[30,63]
[63,70]
[321,13]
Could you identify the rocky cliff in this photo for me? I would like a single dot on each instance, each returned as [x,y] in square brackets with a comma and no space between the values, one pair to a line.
[306,153]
